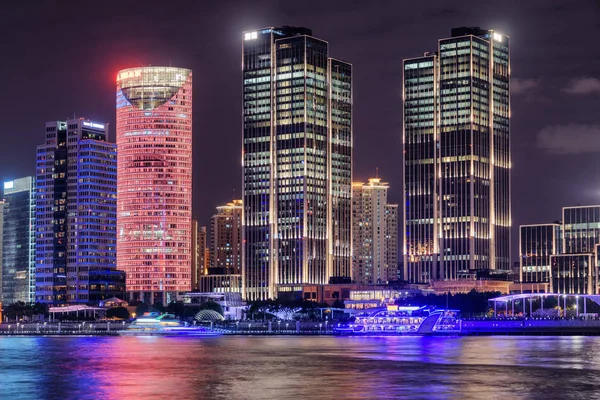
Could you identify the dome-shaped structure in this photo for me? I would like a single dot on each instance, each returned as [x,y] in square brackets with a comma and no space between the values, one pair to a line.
[208,315]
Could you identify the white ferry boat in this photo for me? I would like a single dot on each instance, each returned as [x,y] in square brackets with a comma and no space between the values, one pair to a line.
[155,324]
[398,320]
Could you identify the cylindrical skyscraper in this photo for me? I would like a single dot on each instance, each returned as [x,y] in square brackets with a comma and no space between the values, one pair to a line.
[154,190]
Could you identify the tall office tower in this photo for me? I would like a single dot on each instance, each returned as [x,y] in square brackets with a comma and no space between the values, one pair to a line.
[224,271]
[297,162]
[457,158]
[374,234]
[154,220]
[536,244]
[18,241]
[76,214]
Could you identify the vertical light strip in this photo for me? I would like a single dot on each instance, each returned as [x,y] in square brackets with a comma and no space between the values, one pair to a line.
[273,275]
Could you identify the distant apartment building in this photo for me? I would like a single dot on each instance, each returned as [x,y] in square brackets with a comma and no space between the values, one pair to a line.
[374,234]
[225,269]
[76,209]
[18,241]
[200,254]
[562,256]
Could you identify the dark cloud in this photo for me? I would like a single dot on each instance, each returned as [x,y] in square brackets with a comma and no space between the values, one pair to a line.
[583,85]
[522,86]
[570,139]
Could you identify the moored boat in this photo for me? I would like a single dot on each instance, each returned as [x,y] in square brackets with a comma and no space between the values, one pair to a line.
[398,320]
[155,324]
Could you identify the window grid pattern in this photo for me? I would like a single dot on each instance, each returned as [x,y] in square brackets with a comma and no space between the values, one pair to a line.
[154,224]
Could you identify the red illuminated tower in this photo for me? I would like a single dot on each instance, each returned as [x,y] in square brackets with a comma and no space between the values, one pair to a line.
[154,190]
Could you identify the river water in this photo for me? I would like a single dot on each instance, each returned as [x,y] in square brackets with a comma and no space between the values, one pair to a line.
[299,367]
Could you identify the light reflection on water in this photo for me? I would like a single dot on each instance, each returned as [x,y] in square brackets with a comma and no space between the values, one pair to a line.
[299,367]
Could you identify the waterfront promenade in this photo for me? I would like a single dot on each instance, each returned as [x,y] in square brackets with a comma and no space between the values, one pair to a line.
[111,328]
[558,327]
[479,327]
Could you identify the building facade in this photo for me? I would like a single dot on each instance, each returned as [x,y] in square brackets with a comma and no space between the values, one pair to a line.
[76,214]
[297,162]
[226,239]
[565,256]
[536,244]
[374,234]
[457,158]
[200,254]
[224,273]
[154,220]
[18,241]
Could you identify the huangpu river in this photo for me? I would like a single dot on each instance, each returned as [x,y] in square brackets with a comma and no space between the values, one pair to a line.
[236,367]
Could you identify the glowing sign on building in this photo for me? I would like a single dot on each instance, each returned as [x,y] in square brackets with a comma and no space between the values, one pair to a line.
[93,125]
[132,73]
[250,35]
[9,185]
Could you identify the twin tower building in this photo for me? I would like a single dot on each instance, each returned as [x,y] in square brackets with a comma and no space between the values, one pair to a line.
[303,220]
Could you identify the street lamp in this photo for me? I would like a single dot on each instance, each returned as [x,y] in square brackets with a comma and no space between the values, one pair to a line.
[320,325]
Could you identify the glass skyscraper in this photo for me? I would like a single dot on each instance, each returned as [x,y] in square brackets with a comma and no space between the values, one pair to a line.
[564,256]
[536,244]
[457,158]
[18,241]
[154,220]
[76,214]
[297,162]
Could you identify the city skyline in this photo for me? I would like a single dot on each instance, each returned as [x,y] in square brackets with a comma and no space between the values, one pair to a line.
[566,96]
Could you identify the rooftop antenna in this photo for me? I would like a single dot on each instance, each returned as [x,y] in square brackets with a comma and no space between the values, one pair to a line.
[376,172]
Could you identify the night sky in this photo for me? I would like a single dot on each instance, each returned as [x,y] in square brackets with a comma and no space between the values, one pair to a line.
[60,58]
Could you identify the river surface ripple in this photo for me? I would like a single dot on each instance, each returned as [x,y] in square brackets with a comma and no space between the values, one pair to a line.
[299,367]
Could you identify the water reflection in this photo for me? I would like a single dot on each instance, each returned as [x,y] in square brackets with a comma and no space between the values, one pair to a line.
[298,367]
